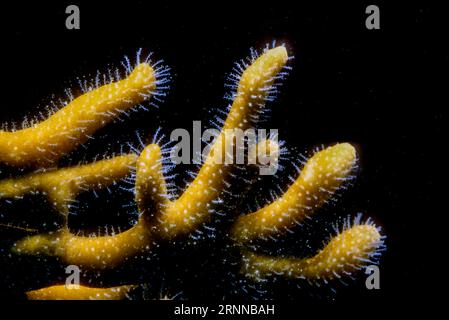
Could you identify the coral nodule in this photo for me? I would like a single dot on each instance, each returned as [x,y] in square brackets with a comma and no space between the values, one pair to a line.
[164,218]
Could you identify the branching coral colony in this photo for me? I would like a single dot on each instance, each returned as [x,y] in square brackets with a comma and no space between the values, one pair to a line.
[164,218]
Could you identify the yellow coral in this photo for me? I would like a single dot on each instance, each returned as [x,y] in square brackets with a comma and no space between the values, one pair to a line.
[74,292]
[165,219]
[63,185]
[345,253]
[150,187]
[45,143]
[93,252]
[320,177]
[101,251]
[193,209]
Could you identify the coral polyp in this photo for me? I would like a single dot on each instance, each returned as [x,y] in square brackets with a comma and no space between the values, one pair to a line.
[210,205]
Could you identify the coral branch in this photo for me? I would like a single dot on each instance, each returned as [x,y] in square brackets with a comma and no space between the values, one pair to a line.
[151,189]
[45,143]
[320,178]
[344,254]
[73,292]
[98,252]
[63,185]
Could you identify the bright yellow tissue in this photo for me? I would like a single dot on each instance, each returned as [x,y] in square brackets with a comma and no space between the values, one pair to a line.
[72,292]
[345,253]
[43,144]
[320,178]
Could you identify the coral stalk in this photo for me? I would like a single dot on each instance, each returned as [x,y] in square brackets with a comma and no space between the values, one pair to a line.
[321,176]
[44,144]
[62,185]
[73,292]
[345,253]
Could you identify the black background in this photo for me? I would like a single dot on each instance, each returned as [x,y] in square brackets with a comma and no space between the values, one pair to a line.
[374,88]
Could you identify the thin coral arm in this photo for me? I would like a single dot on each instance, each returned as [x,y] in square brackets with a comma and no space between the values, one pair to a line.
[62,185]
[151,189]
[45,143]
[73,292]
[92,252]
[322,175]
[346,253]
[193,208]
